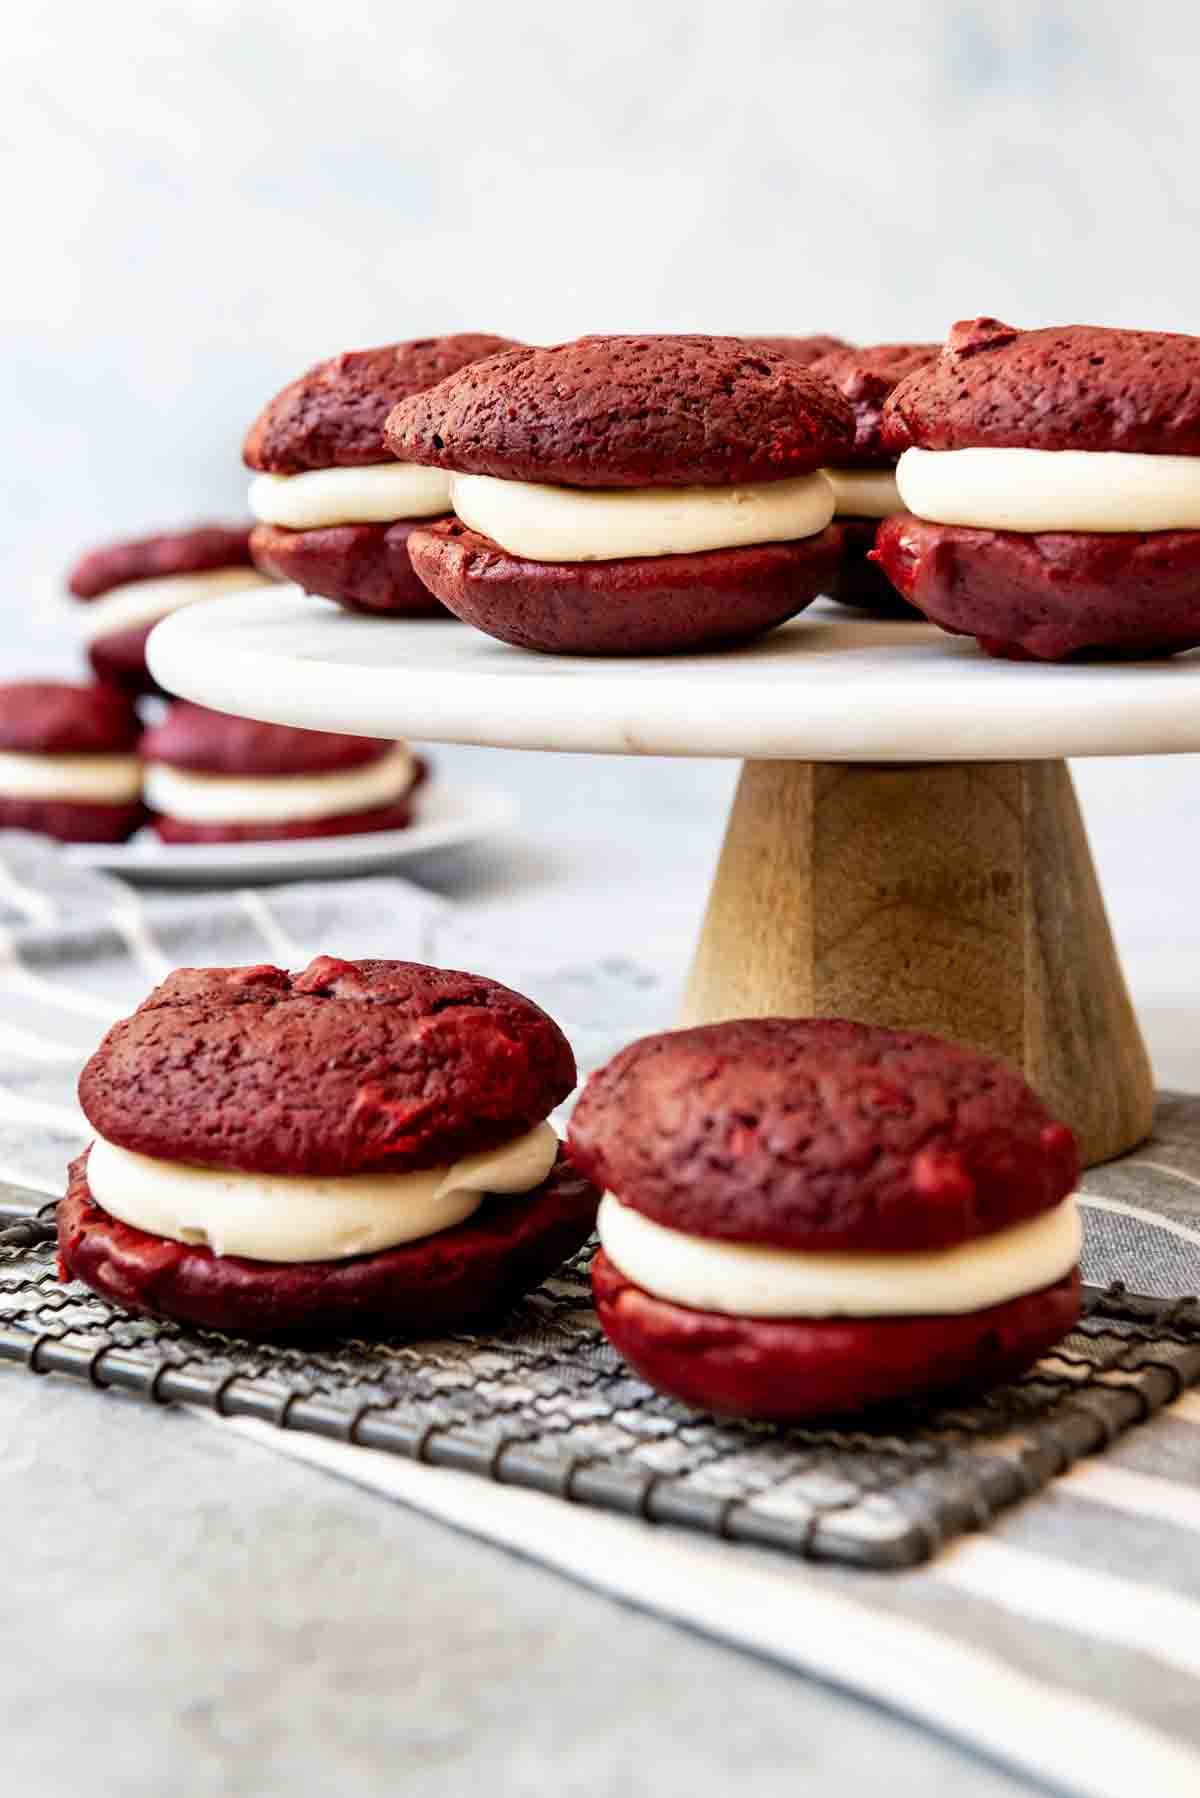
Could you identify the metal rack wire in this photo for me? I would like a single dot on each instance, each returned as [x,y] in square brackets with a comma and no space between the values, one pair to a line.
[544,1402]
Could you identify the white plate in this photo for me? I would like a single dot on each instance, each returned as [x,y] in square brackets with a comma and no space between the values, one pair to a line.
[447,817]
[828,687]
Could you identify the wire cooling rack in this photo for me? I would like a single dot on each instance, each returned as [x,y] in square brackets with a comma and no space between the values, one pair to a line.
[544,1402]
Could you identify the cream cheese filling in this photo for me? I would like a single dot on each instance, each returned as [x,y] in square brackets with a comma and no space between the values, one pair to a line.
[300,1217]
[1052,490]
[864,492]
[380,493]
[140,602]
[541,523]
[196,798]
[79,779]
[748,1280]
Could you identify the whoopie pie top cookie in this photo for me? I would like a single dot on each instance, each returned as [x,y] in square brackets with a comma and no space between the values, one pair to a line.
[345,1068]
[627,412]
[866,377]
[207,742]
[58,718]
[1065,387]
[333,415]
[197,550]
[820,1134]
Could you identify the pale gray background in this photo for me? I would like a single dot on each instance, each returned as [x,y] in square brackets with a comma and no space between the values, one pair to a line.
[201,199]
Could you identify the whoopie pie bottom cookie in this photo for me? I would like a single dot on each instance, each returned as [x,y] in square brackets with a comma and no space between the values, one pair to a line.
[463,1276]
[638,605]
[859,581]
[1049,595]
[793,1370]
[361,567]
[73,821]
[390,817]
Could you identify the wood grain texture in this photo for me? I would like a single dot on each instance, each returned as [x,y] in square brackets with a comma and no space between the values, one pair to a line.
[957,898]
[1083,1050]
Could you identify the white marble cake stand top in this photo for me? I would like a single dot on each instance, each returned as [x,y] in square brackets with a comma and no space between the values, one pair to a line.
[828,687]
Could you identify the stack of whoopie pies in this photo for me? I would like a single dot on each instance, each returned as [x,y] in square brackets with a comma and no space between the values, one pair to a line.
[1052,486]
[208,777]
[805,1217]
[335,506]
[359,1147]
[69,763]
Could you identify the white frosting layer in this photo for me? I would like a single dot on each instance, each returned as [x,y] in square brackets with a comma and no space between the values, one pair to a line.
[277,798]
[864,492]
[295,1217]
[377,494]
[582,524]
[747,1280]
[138,602]
[89,779]
[1052,490]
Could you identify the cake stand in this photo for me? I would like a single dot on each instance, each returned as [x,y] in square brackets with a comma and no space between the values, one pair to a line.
[905,846]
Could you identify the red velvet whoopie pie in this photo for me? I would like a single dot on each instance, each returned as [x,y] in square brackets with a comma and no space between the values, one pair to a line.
[311,1154]
[628,495]
[1051,481]
[68,761]
[335,508]
[863,482]
[215,778]
[130,585]
[806,1218]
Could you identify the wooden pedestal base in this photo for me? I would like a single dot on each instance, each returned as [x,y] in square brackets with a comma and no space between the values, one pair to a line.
[958,898]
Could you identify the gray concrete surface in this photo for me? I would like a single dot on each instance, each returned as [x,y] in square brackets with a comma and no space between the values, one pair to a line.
[184,1613]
